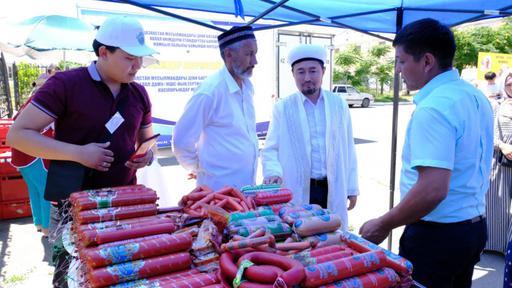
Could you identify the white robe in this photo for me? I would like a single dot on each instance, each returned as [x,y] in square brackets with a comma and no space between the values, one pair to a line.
[287,151]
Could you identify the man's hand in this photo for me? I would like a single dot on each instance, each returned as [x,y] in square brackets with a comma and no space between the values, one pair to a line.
[191,175]
[273,180]
[140,162]
[352,200]
[96,156]
[374,231]
[506,149]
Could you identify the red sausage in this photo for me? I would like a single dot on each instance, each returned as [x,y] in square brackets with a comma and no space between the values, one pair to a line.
[263,273]
[294,270]
[228,267]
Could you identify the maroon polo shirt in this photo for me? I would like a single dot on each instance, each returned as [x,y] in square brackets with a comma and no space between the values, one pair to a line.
[82,104]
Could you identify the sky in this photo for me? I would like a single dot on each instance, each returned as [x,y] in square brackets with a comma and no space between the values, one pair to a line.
[22,9]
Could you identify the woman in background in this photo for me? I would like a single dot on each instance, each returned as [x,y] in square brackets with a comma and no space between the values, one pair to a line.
[499,194]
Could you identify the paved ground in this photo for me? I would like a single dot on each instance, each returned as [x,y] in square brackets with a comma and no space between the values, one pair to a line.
[24,254]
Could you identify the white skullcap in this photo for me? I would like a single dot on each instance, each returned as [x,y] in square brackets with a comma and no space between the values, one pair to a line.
[305,52]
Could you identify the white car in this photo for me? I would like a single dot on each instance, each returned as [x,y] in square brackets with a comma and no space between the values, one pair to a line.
[352,96]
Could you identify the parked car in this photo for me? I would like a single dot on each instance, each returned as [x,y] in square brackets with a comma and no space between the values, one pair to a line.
[352,96]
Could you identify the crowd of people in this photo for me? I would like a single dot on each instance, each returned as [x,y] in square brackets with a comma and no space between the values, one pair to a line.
[455,183]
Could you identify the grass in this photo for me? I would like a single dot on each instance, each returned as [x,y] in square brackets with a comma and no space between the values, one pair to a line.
[389,98]
[16,278]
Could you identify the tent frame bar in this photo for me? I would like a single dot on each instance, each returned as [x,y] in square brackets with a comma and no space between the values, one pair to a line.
[170,14]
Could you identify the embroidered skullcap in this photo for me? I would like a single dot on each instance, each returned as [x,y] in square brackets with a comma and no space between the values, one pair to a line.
[306,52]
[235,34]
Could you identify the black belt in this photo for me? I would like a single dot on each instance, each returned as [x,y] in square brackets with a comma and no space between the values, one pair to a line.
[318,182]
[473,220]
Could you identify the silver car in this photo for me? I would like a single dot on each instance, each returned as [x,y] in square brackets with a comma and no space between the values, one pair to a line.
[352,96]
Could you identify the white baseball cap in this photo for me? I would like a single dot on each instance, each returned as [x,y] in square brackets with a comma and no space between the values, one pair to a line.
[125,33]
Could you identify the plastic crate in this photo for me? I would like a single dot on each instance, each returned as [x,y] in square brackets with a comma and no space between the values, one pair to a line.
[5,163]
[13,188]
[15,209]
[5,124]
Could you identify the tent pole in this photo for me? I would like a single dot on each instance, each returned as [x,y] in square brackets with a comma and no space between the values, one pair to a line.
[396,99]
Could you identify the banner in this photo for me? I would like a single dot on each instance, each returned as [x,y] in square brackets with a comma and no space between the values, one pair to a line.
[495,62]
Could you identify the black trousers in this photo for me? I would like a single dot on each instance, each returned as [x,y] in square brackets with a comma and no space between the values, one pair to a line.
[318,192]
[444,255]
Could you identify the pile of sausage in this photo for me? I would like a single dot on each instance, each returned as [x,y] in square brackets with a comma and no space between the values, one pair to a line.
[120,241]
[228,198]
[252,238]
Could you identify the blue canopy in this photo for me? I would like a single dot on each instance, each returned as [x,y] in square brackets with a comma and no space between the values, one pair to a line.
[365,16]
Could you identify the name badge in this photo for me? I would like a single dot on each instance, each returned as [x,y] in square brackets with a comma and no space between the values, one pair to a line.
[114,122]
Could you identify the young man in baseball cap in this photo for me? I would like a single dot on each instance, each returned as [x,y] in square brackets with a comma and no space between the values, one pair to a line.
[99,113]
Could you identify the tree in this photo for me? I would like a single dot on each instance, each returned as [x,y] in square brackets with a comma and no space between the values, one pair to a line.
[357,68]
[27,74]
[470,41]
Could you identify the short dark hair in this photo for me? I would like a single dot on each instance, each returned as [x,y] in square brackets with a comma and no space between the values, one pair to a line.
[490,75]
[428,36]
[97,44]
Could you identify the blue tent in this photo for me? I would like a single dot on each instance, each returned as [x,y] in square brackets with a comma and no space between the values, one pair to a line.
[368,16]
[382,16]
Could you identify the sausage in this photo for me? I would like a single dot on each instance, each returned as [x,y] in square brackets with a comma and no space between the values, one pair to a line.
[269,197]
[125,232]
[115,213]
[253,242]
[138,269]
[153,281]
[263,273]
[115,200]
[381,278]
[324,273]
[194,281]
[249,214]
[294,271]
[361,245]
[317,224]
[293,246]
[228,267]
[135,249]
[127,189]
[304,207]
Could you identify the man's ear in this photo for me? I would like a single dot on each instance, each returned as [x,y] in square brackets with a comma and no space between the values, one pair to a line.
[102,52]
[429,62]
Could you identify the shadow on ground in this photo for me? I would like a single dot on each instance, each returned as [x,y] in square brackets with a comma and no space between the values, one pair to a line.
[6,238]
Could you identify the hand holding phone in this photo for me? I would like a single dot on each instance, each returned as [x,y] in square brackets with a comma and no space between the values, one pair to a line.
[144,147]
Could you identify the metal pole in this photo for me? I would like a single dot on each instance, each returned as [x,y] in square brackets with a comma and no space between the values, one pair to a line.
[394,129]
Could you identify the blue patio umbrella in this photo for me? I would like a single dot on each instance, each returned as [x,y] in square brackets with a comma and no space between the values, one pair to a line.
[46,33]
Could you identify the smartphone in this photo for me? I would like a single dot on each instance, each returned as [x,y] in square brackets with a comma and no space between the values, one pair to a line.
[144,147]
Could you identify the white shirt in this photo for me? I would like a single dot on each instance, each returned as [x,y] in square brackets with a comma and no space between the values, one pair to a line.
[315,114]
[216,135]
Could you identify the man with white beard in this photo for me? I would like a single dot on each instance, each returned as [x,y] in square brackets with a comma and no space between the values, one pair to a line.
[215,138]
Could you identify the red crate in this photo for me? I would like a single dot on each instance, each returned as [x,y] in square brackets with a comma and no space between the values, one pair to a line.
[5,163]
[17,209]
[13,188]
[5,124]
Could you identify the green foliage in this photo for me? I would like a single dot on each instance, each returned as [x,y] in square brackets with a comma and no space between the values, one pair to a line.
[470,41]
[66,65]
[354,67]
[27,73]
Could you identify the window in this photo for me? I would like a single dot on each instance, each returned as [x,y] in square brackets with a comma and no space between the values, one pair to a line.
[351,90]
[341,89]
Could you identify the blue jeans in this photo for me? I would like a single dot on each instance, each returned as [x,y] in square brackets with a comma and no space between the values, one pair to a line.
[35,177]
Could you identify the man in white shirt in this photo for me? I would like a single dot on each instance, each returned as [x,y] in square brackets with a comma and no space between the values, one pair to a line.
[215,137]
[491,89]
[309,146]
